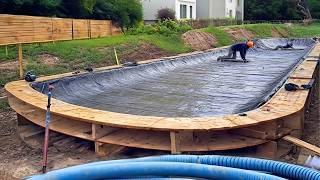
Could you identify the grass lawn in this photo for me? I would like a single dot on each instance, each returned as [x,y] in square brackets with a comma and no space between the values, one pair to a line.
[223,38]
[305,31]
[79,54]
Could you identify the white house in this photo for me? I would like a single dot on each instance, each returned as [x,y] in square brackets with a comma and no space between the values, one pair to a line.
[185,9]
[213,9]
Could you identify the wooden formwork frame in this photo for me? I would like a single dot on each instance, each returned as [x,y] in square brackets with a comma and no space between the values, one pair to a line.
[281,115]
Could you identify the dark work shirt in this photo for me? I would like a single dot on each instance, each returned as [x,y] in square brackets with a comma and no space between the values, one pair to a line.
[242,48]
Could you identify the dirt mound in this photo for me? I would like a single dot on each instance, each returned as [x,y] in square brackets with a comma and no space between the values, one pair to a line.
[48,59]
[144,51]
[11,65]
[199,40]
[239,34]
[278,34]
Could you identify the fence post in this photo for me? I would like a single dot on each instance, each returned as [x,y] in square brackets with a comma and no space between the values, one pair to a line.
[52,31]
[111,25]
[72,29]
[20,57]
[89,28]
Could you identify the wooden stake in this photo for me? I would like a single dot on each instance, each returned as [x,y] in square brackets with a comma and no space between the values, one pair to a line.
[94,137]
[6,50]
[173,140]
[115,54]
[20,57]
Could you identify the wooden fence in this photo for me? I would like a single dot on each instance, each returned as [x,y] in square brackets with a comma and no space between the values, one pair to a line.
[31,29]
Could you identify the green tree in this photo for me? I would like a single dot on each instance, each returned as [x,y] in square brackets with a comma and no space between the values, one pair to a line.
[77,8]
[125,13]
[315,8]
[271,10]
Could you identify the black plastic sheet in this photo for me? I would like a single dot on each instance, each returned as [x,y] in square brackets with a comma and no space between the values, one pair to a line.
[192,86]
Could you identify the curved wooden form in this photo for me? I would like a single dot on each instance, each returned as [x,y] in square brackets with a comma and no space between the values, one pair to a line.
[282,114]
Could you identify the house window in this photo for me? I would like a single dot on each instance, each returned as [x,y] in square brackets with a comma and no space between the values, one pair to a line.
[191,15]
[230,13]
[183,11]
[238,3]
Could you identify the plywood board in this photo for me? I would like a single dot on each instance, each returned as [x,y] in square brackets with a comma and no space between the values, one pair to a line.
[62,29]
[80,29]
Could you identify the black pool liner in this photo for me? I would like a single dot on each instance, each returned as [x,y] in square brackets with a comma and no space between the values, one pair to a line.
[192,86]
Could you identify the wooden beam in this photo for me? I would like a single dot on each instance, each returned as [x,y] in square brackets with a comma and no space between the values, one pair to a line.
[173,140]
[250,133]
[20,57]
[302,144]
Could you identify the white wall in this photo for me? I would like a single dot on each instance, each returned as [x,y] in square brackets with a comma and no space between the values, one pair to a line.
[189,3]
[219,8]
[151,7]
[202,9]
[240,9]
[231,5]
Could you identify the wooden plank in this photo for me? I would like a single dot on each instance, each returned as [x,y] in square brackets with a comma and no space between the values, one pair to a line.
[174,143]
[302,144]
[58,124]
[304,70]
[20,58]
[80,29]
[250,133]
[161,141]
[27,29]
[100,28]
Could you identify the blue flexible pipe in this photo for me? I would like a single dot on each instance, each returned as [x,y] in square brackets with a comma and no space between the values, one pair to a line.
[163,169]
[281,169]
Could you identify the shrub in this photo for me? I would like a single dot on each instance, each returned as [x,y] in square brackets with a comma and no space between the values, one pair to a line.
[166,14]
[125,13]
[166,27]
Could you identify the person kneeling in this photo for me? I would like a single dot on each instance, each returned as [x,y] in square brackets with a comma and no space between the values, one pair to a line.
[241,47]
[289,45]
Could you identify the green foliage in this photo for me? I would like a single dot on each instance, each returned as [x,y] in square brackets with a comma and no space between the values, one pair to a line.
[278,10]
[222,36]
[126,13]
[166,27]
[30,7]
[315,8]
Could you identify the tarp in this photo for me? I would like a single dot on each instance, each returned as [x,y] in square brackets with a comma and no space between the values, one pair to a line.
[192,86]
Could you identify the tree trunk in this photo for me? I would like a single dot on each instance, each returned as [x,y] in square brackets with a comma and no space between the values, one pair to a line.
[304,9]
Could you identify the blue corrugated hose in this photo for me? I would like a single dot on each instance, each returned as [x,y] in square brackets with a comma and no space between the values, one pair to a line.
[163,169]
[163,166]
